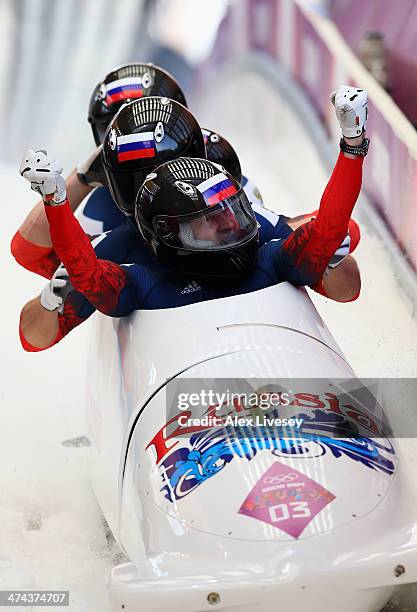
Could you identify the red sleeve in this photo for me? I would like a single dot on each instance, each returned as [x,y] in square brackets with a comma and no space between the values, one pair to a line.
[353,229]
[67,321]
[99,281]
[306,253]
[339,198]
[38,259]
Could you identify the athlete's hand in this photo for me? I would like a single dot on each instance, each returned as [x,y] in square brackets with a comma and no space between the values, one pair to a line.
[44,175]
[351,105]
[54,293]
[91,171]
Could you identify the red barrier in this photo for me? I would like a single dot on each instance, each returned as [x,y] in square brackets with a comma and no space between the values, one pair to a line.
[398,22]
[287,34]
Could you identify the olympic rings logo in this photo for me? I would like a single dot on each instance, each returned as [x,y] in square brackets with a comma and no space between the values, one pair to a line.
[281,478]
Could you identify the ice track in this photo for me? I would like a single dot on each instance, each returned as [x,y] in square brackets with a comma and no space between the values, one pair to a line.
[51,533]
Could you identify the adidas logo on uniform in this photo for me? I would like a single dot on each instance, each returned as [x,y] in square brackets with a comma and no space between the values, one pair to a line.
[193,286]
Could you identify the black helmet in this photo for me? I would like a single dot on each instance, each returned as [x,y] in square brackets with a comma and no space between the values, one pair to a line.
[220,151]
[197,220]
[143,135]
[125,84]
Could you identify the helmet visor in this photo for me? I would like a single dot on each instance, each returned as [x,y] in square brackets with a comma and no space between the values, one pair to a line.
[225,225]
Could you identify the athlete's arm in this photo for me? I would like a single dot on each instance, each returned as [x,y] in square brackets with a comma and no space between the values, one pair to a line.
[110,288]
[341,280]
[113,246]
[35,228]
[306,253]
[341,284]
[31,245]
[39,328]
[39,331]
[98,280]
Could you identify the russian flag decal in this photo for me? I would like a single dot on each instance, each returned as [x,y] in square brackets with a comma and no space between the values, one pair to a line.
[128,87]
[216,189]
[135,146]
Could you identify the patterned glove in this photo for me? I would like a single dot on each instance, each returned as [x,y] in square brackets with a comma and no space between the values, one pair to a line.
[44,176]
[351,105]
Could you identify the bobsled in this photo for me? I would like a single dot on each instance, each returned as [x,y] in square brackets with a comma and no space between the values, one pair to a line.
[244,516]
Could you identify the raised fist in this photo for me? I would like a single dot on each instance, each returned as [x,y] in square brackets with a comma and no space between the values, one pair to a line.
[44,175]
[351,105]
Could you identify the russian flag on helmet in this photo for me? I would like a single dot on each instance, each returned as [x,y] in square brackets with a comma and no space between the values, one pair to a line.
[216,189]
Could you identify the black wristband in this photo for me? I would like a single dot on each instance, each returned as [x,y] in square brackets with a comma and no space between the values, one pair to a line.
[361,149]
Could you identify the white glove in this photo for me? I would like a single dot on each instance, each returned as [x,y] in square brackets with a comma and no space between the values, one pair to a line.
[91,172]
[44,175]
[54,293]
[351,106]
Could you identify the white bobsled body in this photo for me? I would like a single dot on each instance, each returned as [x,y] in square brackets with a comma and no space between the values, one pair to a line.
[250,522]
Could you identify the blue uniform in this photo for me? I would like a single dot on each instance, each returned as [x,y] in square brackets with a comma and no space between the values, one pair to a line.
[125,245]
[98,213]
[156,288]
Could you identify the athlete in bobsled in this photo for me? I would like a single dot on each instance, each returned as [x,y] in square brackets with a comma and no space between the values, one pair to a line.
[198,224]
[31,245]
[96,210]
